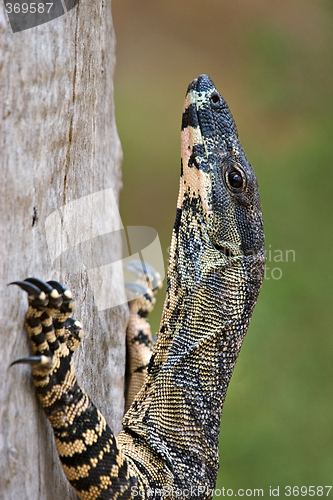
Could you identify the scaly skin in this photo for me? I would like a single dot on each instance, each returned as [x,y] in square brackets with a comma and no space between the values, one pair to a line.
[169,443]
[139,340]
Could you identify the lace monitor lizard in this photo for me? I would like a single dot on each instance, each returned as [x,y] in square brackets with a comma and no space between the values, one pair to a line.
[169,443]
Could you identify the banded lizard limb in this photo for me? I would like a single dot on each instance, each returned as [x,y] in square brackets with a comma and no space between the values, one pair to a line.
[169,441]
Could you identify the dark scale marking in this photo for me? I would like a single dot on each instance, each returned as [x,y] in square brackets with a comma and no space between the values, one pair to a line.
[143,313]
[190,117]
[66,398]
[177,221]
[93,479]
[140,369]
[198,158]
[136,438]
[39,339]
[192,162]
[48,329]
[93,450]
[151,361]
[58,325]
[142,338]
[33,322]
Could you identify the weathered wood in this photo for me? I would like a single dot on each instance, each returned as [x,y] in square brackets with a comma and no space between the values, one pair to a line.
[58,144]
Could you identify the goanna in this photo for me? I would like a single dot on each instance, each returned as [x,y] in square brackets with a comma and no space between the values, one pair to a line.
[169,443]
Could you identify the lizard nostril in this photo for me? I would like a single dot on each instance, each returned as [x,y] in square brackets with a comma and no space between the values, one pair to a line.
[215,98]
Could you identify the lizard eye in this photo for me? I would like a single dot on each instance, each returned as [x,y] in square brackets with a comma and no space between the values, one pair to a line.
[235,179]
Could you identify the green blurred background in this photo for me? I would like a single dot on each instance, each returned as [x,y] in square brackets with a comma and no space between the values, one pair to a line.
[273,63]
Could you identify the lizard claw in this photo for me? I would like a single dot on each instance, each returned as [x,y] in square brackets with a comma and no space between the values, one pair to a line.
[30,288]
[142,269]
[40,284]
[135,267]
[33,360]
[48,324]
[60,288]
[136,289]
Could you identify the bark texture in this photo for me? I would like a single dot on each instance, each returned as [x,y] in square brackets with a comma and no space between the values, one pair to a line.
[59,143]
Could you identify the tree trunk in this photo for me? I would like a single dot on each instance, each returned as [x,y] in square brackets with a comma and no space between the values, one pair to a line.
[60,180]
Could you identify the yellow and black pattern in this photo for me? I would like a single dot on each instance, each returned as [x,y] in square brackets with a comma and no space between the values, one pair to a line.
[139,339]
[169,444]
[88,450]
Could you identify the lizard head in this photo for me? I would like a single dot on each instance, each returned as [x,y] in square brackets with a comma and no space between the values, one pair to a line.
[217,177]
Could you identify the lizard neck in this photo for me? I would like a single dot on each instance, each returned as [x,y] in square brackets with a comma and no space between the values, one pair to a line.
[205,318]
